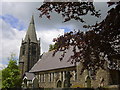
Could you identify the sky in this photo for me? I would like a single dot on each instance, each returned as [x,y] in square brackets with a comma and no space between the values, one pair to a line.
[15,18]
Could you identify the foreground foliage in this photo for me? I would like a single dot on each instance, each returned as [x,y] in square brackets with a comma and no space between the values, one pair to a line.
[69,10]
[96,48]
[11,74]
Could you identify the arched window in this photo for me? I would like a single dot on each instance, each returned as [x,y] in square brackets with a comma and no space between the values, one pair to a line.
[40,78]
[61,75]
[88,82]
[53,77]
[59,84]
[43,77]
[23,51]
[33,50]
[74,75]
[50,77]
[25,82]
[35,83]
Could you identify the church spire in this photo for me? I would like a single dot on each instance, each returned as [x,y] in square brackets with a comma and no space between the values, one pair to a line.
[32,20]
[29,50]
[31,33]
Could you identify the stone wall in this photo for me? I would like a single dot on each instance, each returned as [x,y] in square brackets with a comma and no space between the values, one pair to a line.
[101,78]
[85,80]
[50,79]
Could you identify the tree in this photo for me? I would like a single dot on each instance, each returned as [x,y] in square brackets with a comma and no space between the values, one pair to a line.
[52,47]
[69,10]
[11,75]
[94,48]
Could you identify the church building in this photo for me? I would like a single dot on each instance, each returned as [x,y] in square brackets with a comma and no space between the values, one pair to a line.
[47,71]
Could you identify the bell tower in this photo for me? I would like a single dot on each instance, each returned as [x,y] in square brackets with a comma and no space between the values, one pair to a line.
[29,50]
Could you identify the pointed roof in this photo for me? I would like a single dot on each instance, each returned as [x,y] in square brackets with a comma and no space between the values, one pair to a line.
[31,33]
[29,76]
[50,62]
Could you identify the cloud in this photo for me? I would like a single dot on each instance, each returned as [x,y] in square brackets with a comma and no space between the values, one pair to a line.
[2,66]
[46,37]
[13,45]
[23,0]
[101,0]
[53,0]
[13,21]
[66,29]
[23,11]
[12,38]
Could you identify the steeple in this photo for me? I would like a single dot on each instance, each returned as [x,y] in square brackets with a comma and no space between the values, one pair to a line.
[32,20]
[31,34]
[29,50]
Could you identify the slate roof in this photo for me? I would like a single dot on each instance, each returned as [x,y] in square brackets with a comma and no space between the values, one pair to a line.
[29,76]
[49,62]
[31,34]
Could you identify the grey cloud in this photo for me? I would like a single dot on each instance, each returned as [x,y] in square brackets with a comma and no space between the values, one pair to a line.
[24,11]
[56,20]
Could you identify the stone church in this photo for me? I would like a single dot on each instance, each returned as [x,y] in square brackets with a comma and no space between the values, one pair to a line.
[47,71]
